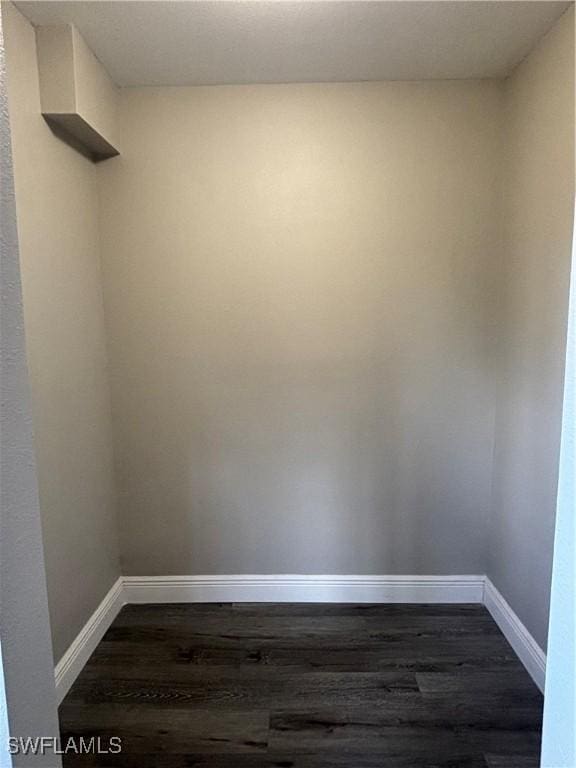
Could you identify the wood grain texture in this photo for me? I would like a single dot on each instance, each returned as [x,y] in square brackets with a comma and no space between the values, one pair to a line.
[306,686]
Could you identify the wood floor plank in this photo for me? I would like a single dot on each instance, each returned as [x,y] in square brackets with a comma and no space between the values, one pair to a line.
[305,686]
[513,680]
[170,730]
[283,760]
[228,691]
[512,761]
[339,730]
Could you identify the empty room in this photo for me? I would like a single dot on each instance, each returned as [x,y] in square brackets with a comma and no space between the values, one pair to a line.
[287,384]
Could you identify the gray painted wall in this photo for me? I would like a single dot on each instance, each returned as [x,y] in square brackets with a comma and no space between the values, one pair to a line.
[538,199]
[298,288]
[58,227]
[24,625]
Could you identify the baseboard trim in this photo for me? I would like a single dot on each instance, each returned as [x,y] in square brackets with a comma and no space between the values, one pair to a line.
[71,664]
[303,588]
[299,589]
[524,645]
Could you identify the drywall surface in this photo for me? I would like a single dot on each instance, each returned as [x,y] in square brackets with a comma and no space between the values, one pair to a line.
[538,198]
[298,286]
[96,93]
[76,92]
[57,211]
[55,55]
[24,629]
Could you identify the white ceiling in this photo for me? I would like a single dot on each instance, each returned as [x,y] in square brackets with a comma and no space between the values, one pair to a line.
[201,43]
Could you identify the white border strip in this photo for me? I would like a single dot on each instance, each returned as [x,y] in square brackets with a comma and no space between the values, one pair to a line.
[526,648]
[303,589]
[71,664]
[299,589]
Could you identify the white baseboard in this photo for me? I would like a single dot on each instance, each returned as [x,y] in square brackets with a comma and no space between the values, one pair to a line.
[303,589]
[71,664]
[299,589]
[524,645]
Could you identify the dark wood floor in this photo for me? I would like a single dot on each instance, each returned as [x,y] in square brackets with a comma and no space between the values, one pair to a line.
[306,686]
